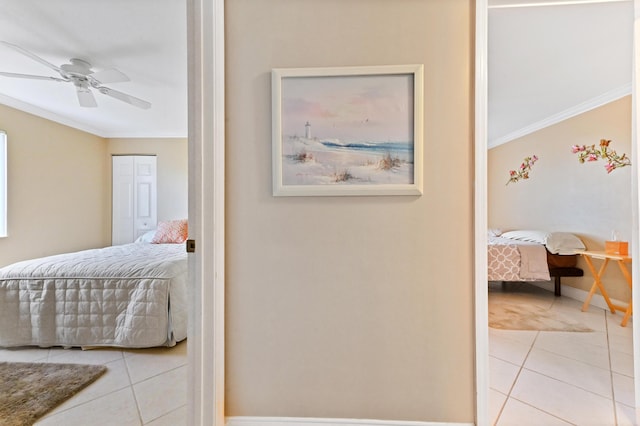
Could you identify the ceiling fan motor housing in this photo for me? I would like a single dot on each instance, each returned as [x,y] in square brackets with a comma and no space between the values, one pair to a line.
[77,67]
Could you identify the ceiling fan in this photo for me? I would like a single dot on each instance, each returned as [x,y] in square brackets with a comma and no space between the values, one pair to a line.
[79,73]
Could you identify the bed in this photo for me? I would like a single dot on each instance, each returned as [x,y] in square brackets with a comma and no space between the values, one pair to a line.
[132,295]
[531,255]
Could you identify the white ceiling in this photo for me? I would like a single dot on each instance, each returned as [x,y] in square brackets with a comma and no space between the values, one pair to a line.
[550,62]
[145,39]
[546,62]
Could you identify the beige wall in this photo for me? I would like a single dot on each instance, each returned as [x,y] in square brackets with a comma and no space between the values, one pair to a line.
[57,200]
[563,195]
[356,307]
[172,166]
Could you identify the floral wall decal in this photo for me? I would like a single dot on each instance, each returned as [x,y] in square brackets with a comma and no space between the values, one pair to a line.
[591,153]
[523,171]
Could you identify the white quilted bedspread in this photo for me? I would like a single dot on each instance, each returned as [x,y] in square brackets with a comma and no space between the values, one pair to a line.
[133,295]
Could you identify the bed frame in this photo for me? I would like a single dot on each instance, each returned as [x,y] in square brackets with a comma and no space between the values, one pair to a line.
[558,273]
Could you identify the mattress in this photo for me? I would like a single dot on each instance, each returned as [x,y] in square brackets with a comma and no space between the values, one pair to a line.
[132,295]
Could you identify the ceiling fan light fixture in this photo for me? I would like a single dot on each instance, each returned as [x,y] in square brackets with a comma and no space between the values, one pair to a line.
[85,96]
[87,100]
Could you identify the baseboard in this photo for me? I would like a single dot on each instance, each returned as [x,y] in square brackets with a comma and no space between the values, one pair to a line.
[310,421]
[580,295]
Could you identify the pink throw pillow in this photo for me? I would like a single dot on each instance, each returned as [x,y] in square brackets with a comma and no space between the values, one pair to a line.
[171,232]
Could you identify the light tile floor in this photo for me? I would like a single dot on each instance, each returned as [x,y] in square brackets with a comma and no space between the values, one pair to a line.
[140,387]
[561,378]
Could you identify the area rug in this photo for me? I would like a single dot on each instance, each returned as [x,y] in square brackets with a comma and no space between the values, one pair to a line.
[527,316]
[30,390]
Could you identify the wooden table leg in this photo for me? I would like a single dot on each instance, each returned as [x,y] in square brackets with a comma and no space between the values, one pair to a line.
[597,284]
[627,315]
[627,277]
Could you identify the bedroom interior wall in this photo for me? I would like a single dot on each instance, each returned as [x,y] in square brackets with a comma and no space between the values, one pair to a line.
[345,307]
[172,173]
[57,200]
[564,195]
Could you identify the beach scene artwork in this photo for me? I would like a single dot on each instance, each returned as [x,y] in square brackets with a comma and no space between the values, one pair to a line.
[347,130]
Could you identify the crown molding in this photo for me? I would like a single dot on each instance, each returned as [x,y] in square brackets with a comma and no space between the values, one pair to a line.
[598,101]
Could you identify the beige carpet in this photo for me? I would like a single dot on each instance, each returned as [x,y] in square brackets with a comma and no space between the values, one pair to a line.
[507,315]
[30,390]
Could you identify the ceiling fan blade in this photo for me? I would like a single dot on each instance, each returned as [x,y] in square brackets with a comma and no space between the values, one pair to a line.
[33,77]
[32,56]
[110,75]
[124,97]
[85,97]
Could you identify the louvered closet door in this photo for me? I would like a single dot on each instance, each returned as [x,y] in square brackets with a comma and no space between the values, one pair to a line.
[134,197]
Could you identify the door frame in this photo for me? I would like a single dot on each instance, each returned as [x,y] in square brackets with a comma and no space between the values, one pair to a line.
[481,201]
[635,203]
[481,296]
[205,47]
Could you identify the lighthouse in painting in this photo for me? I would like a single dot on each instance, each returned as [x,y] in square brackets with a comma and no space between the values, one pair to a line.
[307,130]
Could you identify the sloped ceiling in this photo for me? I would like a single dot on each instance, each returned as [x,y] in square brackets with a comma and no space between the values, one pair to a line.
[145,39]
[551,60]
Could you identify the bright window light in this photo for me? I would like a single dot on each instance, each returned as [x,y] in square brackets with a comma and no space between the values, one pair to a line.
[3,184]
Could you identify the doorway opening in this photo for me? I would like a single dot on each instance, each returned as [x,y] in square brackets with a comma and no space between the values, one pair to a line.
[482,216]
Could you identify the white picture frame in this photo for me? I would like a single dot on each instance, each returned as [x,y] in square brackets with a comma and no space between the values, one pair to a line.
[347,131]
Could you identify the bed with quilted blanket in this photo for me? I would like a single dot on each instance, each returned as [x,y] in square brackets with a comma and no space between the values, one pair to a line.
[510,260]
[132,295]
[532,255]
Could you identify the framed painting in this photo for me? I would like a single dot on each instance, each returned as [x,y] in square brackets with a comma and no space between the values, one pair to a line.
[347,131]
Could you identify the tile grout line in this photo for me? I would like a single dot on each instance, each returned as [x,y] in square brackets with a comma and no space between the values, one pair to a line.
[544,411]
[153,377]
[133,391]
[157,375]
[54,412]
[534,406]
[613,394]
[613,388]
[515,380]
[165,414]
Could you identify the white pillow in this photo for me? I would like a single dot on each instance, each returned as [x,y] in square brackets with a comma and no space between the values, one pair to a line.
[564,243]
[146,237]
[531,236]
[556,242]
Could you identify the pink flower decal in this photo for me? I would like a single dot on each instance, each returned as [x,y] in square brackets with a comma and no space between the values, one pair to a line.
[591,153]
[523,171]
